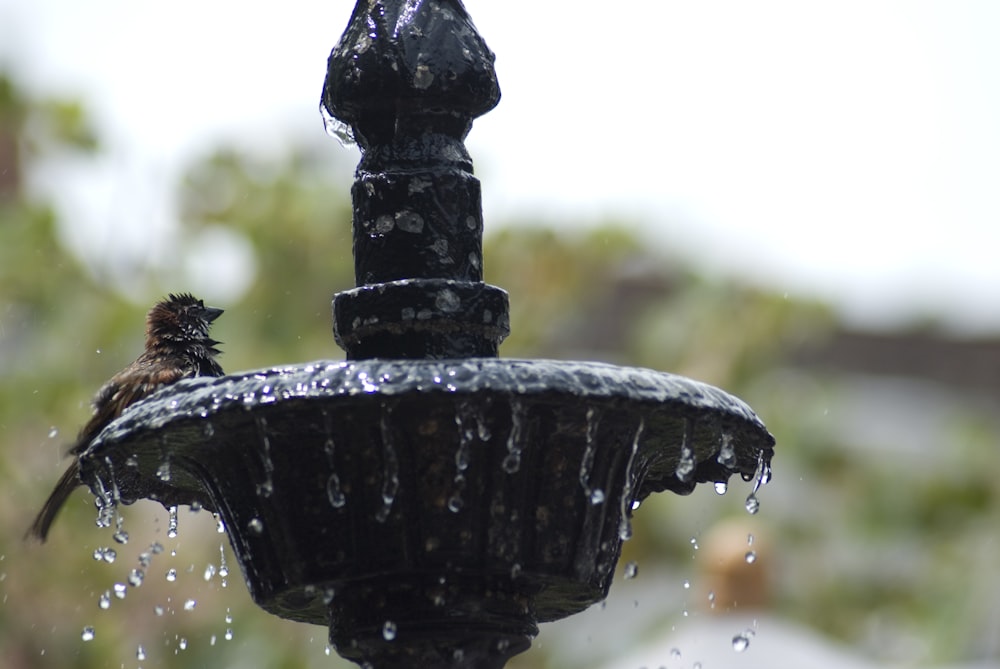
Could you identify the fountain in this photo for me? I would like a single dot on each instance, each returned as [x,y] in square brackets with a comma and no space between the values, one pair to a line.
[426,500]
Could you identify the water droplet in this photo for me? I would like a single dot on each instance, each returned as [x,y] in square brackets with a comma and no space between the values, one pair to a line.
[87,634]
[631,570]
[687,585]
[171,574]
[53,432]
[750,540]
[163,472]
[389,630]
[208,429]
[172,522]
[135,577]
[328,650]
[121,536]
[751,557]
[211,640]
[675,653]
[140,653]
[220,526]
[156,548]
[158,610]
[694,543]
[182,643]
[229,617]
[753,504]
[104,601]
[190,604]
[455,502]
[104,553]
[255,526]
[209,572]
[120,590]
[229,635]
[596,496]
[741,642]
[721,487]
[195,506]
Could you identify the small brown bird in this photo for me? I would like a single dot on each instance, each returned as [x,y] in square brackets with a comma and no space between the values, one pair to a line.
[177,347]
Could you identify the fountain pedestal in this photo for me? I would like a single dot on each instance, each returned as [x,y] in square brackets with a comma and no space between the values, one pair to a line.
[428,501]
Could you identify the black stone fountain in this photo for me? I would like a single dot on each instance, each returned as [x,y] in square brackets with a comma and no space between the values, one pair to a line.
[426,500]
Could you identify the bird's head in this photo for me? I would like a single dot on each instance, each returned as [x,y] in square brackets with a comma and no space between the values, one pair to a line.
[181,318]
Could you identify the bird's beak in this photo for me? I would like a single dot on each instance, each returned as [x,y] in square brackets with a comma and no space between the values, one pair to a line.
[211,313]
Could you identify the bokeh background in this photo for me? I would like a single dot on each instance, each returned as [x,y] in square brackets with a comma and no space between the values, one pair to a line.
[797,205]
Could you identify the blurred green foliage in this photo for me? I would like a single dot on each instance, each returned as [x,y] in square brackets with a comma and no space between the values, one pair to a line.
[862,541]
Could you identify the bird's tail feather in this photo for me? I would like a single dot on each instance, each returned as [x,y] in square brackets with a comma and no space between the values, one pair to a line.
[43,521]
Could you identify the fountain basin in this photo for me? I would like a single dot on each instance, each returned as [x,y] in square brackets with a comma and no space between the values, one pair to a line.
[484,492]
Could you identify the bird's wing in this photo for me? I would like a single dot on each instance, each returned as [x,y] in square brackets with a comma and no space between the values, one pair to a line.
[124,389]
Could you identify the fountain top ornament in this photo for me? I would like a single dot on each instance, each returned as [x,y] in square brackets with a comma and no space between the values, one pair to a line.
[425,499]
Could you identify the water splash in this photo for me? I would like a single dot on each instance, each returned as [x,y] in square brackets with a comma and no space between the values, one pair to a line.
[625,518]
[390,475]
[512,463]
[595,495]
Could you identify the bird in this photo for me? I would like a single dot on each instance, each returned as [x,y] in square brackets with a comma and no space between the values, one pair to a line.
[177,347]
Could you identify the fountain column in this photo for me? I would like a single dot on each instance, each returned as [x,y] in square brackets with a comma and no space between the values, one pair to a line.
[408,78]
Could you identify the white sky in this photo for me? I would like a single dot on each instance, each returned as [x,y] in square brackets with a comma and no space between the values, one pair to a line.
[847,149]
